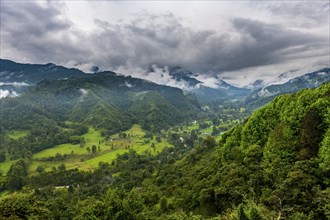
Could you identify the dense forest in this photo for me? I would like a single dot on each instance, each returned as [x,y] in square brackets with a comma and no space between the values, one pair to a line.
[273,165]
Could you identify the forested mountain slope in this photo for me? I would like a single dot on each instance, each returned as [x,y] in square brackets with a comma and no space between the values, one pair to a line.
[105,101]
[274,165]
[80,99]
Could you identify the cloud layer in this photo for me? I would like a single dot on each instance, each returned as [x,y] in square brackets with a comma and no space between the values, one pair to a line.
[46,32]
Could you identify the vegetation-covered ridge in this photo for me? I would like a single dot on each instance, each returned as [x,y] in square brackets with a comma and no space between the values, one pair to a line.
[275,165]
[105,101]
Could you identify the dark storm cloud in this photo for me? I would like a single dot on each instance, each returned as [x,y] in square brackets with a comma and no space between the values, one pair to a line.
[28,17]
[39,33]
[44,34]
[252,43]
[262,43]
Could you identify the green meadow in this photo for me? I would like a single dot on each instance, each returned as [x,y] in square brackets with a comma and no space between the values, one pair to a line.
[76,156]
[16,134]
[4,167]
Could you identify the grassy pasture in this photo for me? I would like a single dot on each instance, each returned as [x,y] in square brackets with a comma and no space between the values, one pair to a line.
[79,157]
[16,134]
[4,167]
[92,137]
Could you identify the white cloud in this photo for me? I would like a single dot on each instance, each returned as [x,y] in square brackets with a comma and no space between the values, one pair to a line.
[15,84]
[270,73]
[129,85]
[7,93]
[208,80]
[157,75]
[83,92]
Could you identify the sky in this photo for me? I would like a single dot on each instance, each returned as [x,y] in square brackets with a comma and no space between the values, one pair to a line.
[238,41]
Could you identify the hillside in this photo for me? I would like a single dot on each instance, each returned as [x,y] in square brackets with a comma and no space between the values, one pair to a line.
[274,165]
[105,101]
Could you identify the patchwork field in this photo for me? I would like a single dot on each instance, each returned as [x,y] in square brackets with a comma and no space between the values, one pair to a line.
[76,156]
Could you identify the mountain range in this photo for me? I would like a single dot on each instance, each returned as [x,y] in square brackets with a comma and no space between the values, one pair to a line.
[273,164]
[16,77]
[266,93]
[104,100]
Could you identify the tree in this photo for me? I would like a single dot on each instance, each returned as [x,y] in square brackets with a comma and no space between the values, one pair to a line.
[241,214]
[27,154]
[88,149]
[215,131]
[2,157]
[311,134]
[209,141]
[163,204]
[254,214]
[16,175]
[93,149]
[61,167]
[40,169]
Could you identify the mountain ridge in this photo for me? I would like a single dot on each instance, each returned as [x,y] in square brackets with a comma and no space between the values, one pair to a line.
[15,78]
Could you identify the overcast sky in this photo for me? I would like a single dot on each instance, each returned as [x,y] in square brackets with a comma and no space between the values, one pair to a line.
[239,41]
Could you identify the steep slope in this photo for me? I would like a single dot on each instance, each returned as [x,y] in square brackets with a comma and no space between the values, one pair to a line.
[275,165]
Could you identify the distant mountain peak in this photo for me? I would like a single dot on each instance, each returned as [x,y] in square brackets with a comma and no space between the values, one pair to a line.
[308,80]
[178,74]
[51,65]
[288,74]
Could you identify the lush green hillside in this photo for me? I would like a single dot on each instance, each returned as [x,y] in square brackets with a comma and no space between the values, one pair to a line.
[275,165]
[105,101]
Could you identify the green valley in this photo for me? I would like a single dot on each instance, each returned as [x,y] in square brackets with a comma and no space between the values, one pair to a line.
[164,110]
[273,164]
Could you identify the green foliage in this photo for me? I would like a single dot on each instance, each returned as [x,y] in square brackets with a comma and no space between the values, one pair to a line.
[100,100]
[94,148]
[2,157]
[21,206]
[275,165]
[16,175]
[324,152]
[40,169]
[241,215]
